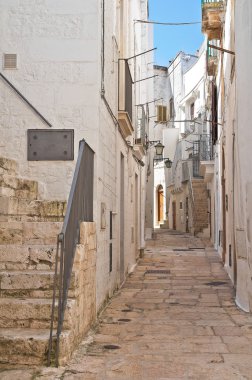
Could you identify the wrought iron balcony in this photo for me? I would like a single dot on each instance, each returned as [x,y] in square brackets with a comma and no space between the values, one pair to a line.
[203,164]
[203,148]
[212,15]
[125,98]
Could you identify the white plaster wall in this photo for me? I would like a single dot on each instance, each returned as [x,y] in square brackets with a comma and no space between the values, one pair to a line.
[243,138]
[155,133]
[57,57]
[59,70]
[195,74]
[187,80]
[111,146]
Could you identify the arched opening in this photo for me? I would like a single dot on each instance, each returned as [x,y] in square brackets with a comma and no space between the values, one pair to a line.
[160,203]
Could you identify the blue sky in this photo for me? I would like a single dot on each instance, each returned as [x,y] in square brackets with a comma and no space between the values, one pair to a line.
[171,39]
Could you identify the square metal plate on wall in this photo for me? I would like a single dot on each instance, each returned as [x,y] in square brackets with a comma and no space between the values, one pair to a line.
[50,145]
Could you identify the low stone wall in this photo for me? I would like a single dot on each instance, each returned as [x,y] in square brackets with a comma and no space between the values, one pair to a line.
[84,291]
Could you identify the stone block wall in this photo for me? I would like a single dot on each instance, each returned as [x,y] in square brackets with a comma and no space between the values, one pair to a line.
[83,292]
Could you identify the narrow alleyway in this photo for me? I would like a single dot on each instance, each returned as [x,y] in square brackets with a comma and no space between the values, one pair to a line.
[175,318]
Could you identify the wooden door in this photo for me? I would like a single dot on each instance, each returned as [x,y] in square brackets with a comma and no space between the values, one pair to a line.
[223,209]
[160,204]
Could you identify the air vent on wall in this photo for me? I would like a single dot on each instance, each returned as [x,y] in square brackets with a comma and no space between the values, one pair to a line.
[10,61]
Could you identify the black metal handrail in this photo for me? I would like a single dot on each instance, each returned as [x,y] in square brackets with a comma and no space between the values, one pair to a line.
[79,209]
[25,100]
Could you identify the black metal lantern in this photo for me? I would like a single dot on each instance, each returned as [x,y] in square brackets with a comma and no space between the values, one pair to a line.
[168,163]
[159,149]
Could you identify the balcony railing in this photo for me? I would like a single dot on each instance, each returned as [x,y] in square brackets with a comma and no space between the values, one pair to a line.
[202,151]
[211,1]
[125,88]
[206,148]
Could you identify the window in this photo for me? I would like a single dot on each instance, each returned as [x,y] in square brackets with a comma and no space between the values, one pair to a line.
[181,205]
[192,111]
[171,108]
[10,61]
[161,114]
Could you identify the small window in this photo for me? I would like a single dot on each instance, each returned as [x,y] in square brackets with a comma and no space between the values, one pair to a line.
[171,108]
[192,107]
[161,114]
[181,205]
[10,61]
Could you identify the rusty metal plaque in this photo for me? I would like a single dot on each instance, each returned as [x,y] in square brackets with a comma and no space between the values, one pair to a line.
[50,145]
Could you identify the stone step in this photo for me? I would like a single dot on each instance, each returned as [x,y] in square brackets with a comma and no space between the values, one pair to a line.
[8,166]
[32,208]
[30,284]
[27,257]
[27,218]
[29,346]
[199,188]
[200,193]
[200,197]
[12,186]
[165,225]
[199,184]
[34,313]
[201,220]
[32,233]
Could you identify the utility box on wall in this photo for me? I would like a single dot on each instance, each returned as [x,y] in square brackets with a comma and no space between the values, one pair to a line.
[50,145]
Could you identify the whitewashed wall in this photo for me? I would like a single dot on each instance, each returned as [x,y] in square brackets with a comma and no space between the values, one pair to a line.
[59,47]
[243,138]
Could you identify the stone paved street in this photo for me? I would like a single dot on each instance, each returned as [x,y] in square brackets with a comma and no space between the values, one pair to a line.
[179,322]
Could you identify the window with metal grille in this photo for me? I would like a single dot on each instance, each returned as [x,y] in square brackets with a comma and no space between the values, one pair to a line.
[10,61]
[161,114]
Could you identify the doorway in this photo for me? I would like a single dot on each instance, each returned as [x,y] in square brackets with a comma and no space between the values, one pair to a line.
[174,226]
[122,220]
[160,194]
[187,214]
[224,206]
[136,214]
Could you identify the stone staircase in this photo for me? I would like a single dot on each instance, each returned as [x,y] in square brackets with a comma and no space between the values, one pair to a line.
[200,212]
[28,232]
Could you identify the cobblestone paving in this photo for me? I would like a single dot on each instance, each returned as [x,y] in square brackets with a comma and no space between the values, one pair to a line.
[175,318]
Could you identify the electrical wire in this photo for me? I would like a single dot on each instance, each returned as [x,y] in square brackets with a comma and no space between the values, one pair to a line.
[168,23]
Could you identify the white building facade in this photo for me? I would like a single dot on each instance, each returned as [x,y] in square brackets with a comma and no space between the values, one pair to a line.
[227,25]
[70,62]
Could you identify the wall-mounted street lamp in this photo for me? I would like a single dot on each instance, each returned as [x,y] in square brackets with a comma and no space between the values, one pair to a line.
[159,149]
[167,161]
[157,145]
